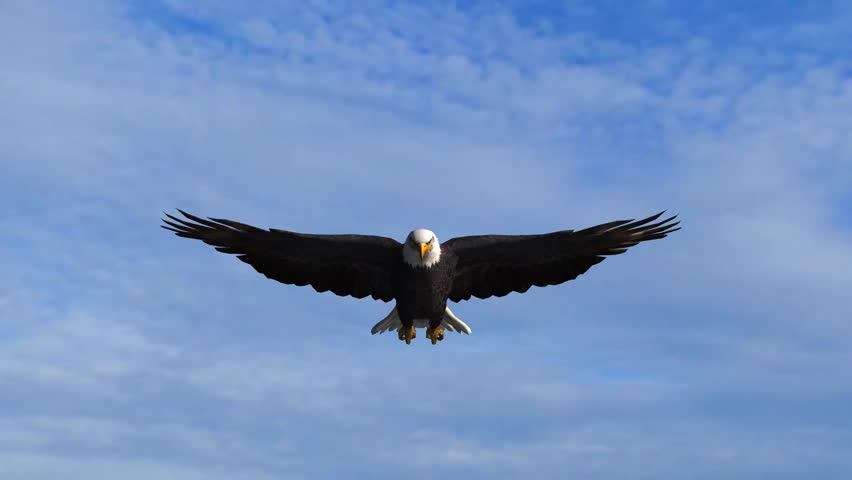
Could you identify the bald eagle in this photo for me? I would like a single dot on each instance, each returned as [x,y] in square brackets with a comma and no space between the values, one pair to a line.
[422,274]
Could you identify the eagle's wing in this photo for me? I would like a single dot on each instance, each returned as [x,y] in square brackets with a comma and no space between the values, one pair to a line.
[356,265]
[495,265]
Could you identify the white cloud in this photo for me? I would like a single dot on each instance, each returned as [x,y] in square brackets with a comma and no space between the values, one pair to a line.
[44,466]
[424,115]
[84,352]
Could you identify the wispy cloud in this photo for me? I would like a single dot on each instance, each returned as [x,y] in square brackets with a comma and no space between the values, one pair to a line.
[717,352]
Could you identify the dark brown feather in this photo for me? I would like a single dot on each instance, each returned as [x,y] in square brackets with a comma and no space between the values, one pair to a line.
[347,265]
[496,265]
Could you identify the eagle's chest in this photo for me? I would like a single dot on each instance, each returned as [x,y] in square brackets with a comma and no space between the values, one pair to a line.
[425,287]
[423,281]
[434,278]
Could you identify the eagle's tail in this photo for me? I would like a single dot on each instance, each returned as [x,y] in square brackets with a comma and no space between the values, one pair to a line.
[453,323]
[392,322]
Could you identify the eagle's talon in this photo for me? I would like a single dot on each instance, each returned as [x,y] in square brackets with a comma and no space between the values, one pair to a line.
[435,334]
[407,334]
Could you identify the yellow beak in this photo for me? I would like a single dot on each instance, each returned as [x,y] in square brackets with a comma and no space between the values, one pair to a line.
[424,247]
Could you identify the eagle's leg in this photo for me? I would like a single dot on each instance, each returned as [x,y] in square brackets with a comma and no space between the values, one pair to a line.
[406,332]
[435,332]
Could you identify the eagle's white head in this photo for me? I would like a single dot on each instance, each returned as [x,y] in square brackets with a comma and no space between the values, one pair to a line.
[421,248]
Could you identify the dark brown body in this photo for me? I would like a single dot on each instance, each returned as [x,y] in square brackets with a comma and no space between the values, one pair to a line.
[422,292]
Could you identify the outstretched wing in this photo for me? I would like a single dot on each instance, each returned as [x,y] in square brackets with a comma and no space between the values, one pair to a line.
[356,265]
[495,265]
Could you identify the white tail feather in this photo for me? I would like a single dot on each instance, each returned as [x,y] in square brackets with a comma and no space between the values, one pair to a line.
[451,321]
[392,322]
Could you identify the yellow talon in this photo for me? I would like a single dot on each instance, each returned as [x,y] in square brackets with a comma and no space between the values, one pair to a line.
[435,334]
[406,334]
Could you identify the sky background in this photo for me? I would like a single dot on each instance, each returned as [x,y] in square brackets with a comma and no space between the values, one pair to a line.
[722,351]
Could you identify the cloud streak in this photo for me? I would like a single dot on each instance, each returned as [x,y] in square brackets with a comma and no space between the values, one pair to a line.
[717,352]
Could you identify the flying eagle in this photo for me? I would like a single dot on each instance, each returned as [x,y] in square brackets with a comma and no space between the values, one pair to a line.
[422,274]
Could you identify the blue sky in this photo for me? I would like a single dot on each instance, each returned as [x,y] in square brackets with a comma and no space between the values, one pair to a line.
[719,352]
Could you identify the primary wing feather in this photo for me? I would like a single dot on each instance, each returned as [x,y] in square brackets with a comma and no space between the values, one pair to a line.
[495,265]
[355,265]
